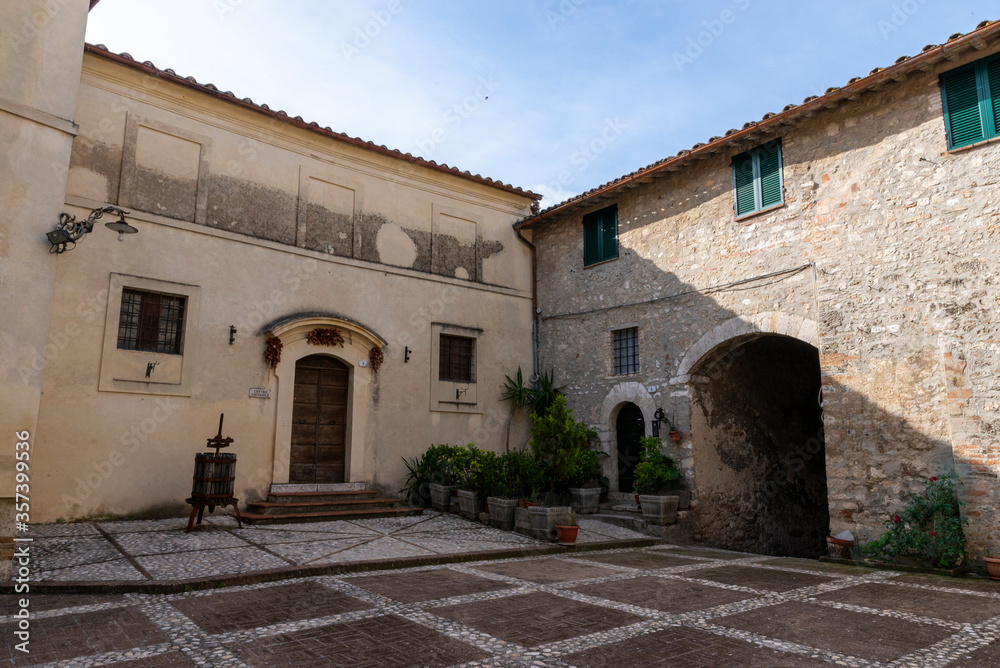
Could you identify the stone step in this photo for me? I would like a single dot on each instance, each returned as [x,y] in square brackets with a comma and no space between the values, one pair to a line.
[271,508]
[300,497]
[628,520]
[286,488]
[327,516]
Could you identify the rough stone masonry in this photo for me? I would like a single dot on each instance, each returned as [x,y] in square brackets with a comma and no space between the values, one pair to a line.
[880,284]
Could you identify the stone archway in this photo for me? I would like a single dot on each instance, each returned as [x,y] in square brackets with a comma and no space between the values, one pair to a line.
[358,341]
[757,436]
[620,396]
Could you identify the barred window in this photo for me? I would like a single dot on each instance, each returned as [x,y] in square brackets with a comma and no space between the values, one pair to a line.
[151,322]
[626,351]
[457,358]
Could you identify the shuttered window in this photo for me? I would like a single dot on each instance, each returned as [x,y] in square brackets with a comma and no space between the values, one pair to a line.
[971,96]
[757,179]
[600,235]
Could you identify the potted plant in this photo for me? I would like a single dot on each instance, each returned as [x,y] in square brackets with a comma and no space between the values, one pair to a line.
[584,469]
[566,533]
[431,476]
[502,480]
[992,559]
[654,473]
[473,465]
[555,439]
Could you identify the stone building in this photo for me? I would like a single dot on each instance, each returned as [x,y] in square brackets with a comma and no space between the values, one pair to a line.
[119,355]
[812,298]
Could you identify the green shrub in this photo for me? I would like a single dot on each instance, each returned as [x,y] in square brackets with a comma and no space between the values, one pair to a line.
[930,529]
[584,466]
[518,475]
[475,468]
[555,439]
[435,465]
[655,470]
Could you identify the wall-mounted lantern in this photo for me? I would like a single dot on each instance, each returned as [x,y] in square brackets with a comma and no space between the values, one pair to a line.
[70,230]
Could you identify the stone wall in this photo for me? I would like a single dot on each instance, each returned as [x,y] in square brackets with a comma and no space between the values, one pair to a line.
[900,298]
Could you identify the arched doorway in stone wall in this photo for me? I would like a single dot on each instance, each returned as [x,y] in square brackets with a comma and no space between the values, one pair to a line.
[758,446]
[630,426]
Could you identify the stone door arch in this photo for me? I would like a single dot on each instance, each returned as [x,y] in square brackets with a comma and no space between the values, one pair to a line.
[757,439]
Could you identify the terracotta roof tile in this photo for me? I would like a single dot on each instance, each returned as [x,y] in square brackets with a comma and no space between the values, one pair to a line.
[930,54]
[211,89]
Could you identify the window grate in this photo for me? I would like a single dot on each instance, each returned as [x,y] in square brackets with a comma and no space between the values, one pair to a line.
[151,322]
[626,343]
[457,359]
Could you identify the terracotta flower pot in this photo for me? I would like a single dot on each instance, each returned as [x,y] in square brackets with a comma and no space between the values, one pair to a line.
[675,435]
[566,534]
[993,567]
[838,548]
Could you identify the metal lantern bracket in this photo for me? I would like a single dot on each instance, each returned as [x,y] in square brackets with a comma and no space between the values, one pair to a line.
[70,230]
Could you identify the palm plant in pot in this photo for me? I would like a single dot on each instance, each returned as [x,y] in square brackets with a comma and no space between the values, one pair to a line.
[654,475]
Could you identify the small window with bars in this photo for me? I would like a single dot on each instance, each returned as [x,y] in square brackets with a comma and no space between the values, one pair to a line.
[457,359]
[757,179]
[626,351]
[151,322]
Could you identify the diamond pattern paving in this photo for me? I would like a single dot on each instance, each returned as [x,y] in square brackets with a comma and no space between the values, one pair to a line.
[369,643]
[249,609]
[427,585]
[668,595]
[536,619]
[68,636]
[942,605]
[864,635]
[549,570]
[650,606]
[759,578]
[640,559]
[686,648]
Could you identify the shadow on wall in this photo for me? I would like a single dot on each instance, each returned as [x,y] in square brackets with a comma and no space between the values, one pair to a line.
[773,469]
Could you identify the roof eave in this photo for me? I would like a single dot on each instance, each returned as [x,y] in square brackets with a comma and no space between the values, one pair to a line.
[880,76]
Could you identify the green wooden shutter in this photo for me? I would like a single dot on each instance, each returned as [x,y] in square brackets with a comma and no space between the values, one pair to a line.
[609,233]
[993,77]
[963,112]
[743,183]
[591,239]
[770,175]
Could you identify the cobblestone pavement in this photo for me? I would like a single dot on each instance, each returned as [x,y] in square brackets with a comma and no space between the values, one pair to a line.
[651,606]
[160,550]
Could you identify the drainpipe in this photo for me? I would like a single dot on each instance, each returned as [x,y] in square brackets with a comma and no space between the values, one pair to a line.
[534,302]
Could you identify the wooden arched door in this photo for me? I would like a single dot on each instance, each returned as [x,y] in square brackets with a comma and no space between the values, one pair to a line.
[319,421]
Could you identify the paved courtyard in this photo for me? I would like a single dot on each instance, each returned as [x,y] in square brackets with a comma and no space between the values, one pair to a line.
[651,606]
[151,551]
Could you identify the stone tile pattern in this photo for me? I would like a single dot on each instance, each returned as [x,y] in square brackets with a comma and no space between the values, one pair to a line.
[163,550]
[653,606]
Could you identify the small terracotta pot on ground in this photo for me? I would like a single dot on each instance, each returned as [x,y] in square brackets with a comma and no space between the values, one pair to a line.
[993,567]
[566,534]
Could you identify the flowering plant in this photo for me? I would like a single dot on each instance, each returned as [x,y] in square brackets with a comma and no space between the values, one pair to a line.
[929,529]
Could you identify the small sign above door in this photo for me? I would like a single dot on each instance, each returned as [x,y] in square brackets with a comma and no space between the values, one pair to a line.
[260,393]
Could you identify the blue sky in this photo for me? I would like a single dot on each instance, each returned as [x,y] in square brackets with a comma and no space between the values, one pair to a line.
[557,96]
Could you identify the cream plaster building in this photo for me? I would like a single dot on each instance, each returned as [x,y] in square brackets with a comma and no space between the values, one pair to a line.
[119,356]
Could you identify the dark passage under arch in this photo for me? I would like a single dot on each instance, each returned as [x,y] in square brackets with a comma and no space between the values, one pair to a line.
[759,455]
